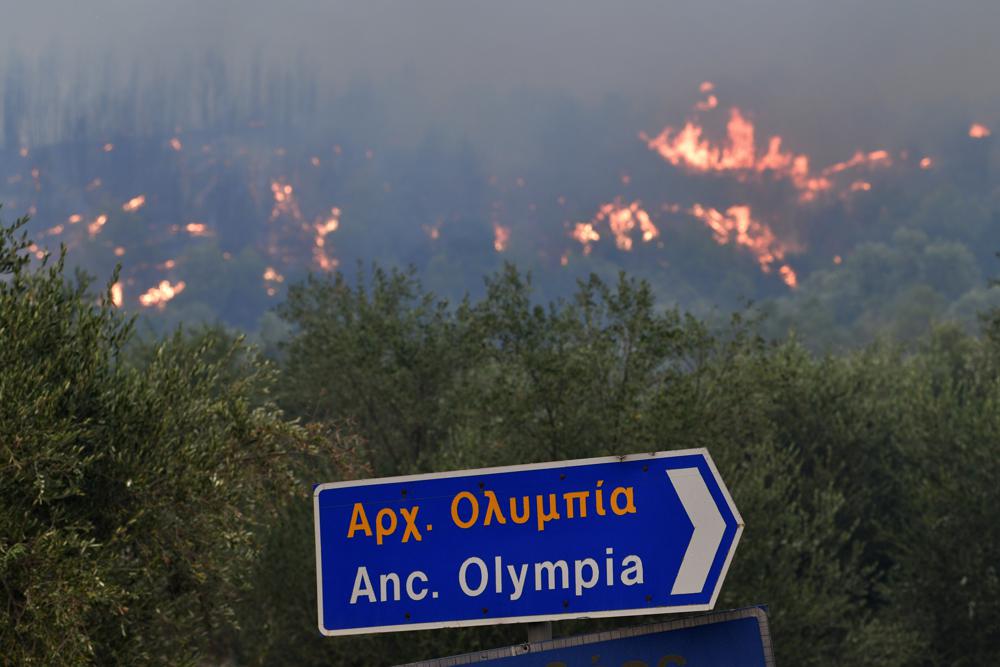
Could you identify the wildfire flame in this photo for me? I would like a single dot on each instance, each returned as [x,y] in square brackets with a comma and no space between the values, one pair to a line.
[737,225]
[501,237]
[324,228]
[94,228]
[271,275]
[159,296]
[688,148]
[585,233]
[738,153]
[860,158]
[622,219]
[284,201]
[979,131]
[134,204]
[197,229]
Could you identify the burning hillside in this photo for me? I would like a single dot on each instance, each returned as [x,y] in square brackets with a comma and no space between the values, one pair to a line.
[176,208]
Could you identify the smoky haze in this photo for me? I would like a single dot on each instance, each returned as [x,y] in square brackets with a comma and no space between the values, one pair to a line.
[853,69]
[834,161]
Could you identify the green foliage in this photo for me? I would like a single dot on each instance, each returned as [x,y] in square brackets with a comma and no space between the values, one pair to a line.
[154,502]
[133,485]
[810,446]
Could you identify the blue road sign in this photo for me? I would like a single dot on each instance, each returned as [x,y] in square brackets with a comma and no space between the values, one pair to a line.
[738,638]
[615,536]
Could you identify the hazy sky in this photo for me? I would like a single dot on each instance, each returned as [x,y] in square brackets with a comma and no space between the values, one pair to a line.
[859,62]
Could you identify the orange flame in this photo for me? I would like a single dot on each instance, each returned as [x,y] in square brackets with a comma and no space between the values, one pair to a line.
[737,225]
[585,233]
[159,296]
[324,228]
[501,237]
[134,204]
[271,275]
[94,228]
[197,229]
[979,131]
[622,220]
[284,201]
[879,158]
[689,149]
[116,295]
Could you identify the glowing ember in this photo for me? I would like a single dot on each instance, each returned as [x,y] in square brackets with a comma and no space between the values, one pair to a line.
[284,201]
[433,231]
[23,152]
[737,226]
[176,144]
[501,237]
[788,275]
[119,251]
[134,204]
[926,163]
[709,102]
[94,228]
[55,231]
[328,226]
[75,218]
[116,295]
[197,229]
[108,147]
[159,296]
[314,161]
[837,259]
[979,131]
[38,252]
[271,275]
[863,186]
[860,159]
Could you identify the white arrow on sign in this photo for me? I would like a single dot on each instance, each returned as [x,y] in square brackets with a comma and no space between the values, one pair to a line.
[709,527]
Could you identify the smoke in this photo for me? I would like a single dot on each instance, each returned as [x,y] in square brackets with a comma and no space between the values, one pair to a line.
[854,69]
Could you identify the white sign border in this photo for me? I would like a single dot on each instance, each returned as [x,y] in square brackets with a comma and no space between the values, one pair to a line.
[644,611]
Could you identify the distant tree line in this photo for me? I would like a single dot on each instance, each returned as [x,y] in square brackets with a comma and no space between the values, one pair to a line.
[154,494]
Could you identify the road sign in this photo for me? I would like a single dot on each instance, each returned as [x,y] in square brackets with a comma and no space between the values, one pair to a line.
[738,638]
[614,536]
